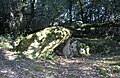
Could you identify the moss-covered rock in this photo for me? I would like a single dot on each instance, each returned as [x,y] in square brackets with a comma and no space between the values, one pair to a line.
[43,41]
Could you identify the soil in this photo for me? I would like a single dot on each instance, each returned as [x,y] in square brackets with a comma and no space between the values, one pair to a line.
[12,66]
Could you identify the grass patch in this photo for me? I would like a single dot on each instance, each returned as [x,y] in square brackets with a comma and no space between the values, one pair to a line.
[38,69]
[104,72]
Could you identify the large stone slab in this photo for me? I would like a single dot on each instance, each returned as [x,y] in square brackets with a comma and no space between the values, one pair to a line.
[74,47]
[43,41]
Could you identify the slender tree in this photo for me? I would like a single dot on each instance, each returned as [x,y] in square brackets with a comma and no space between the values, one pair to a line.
[70,11]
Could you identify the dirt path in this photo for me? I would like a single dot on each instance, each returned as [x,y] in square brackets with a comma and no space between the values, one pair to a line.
[83,67]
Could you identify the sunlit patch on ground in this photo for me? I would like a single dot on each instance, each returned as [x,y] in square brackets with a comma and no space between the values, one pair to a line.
[10,55]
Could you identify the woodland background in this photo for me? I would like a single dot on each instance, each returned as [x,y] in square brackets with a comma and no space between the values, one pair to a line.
[92,25]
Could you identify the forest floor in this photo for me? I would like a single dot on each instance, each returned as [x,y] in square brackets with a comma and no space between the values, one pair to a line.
[80,67]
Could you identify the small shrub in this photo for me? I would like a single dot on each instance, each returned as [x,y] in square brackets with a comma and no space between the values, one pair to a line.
[47,56]
[5,41]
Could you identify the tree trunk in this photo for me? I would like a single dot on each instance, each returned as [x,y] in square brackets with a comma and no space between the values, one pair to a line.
[81,9]
[70,11]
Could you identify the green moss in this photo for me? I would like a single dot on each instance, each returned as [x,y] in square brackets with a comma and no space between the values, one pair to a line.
[43,41]
[58,71]
[104,72]
[33,76]
[71,76]
[38,69]
[2,77]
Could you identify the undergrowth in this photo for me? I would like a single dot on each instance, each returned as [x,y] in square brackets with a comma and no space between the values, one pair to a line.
[100,46]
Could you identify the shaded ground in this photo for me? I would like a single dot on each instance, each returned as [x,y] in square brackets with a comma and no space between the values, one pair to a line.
[83,67]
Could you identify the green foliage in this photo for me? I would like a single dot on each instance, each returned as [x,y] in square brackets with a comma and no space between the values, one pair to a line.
[47,56]
[5,38]
[103,72]
[49,12]
[9,42]
[104,46]
[5,41]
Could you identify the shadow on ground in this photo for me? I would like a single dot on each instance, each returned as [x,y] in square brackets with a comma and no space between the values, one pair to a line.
[82,67]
